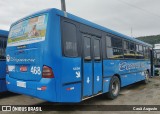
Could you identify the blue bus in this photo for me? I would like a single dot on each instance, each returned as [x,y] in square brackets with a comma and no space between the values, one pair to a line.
[3,43]
[59,57]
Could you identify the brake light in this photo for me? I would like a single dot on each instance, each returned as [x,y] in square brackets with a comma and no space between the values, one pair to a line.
[47,72]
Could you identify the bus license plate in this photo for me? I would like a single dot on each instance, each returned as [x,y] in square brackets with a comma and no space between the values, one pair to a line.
[21,84]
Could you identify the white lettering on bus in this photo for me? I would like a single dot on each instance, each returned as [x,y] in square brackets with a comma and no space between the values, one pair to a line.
[76,68]
[35,70]
[128,66]
[13,59]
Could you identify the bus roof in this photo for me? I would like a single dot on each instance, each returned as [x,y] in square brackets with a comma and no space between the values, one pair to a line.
[83,21]
[4,33]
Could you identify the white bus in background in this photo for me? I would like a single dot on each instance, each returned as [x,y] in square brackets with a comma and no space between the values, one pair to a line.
[157,59]
[157,46]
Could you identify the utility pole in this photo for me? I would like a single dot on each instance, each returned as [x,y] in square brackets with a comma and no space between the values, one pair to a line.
[63,5]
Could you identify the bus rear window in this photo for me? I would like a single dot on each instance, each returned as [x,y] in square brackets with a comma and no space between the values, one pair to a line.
[3,42]
[28,31]
[69,36]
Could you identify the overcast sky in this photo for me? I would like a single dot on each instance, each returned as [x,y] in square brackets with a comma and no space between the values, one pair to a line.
[143,16]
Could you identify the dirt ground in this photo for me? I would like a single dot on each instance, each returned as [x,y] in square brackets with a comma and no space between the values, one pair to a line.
[135,94]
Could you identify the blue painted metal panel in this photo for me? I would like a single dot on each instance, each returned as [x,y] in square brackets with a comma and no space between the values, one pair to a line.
[106,82]
[27,57]
[3,88]
[124,66]
[127,79]
[71,93]
[140,76]
[129,70]
[32,88]
[97,77]
[110,67]
[87,79]
[71,70]
[134,78]
[71,78]
[2,69]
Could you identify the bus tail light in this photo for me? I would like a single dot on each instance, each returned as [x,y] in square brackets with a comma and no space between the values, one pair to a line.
[47,72]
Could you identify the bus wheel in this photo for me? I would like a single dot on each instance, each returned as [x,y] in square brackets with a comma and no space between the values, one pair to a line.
[114,88]
[146,77]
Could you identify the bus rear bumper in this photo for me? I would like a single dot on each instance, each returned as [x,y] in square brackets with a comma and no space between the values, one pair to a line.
[43,89]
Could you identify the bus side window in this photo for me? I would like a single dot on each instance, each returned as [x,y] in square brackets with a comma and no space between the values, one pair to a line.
[132,48]
[97,53]
[116,42]
[108,41]
[87,48]
[126,49]
[129,50]
[109,50]
[69,38]
[146,52]
[140,52]
[2,48]
[114,48]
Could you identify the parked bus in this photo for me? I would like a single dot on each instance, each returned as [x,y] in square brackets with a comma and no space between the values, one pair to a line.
[156,62]
[3,43]
[59,57]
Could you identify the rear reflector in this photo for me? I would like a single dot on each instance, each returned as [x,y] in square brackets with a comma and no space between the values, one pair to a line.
[47,72]
[42,88]
[69,89]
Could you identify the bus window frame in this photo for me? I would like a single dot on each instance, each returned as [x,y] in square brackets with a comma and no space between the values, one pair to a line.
[100,49]
[130,41]
[113,36]
[62,40]
[4,46]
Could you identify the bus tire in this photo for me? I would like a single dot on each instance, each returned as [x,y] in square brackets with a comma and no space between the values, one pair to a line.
[146,81]
[114,88]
